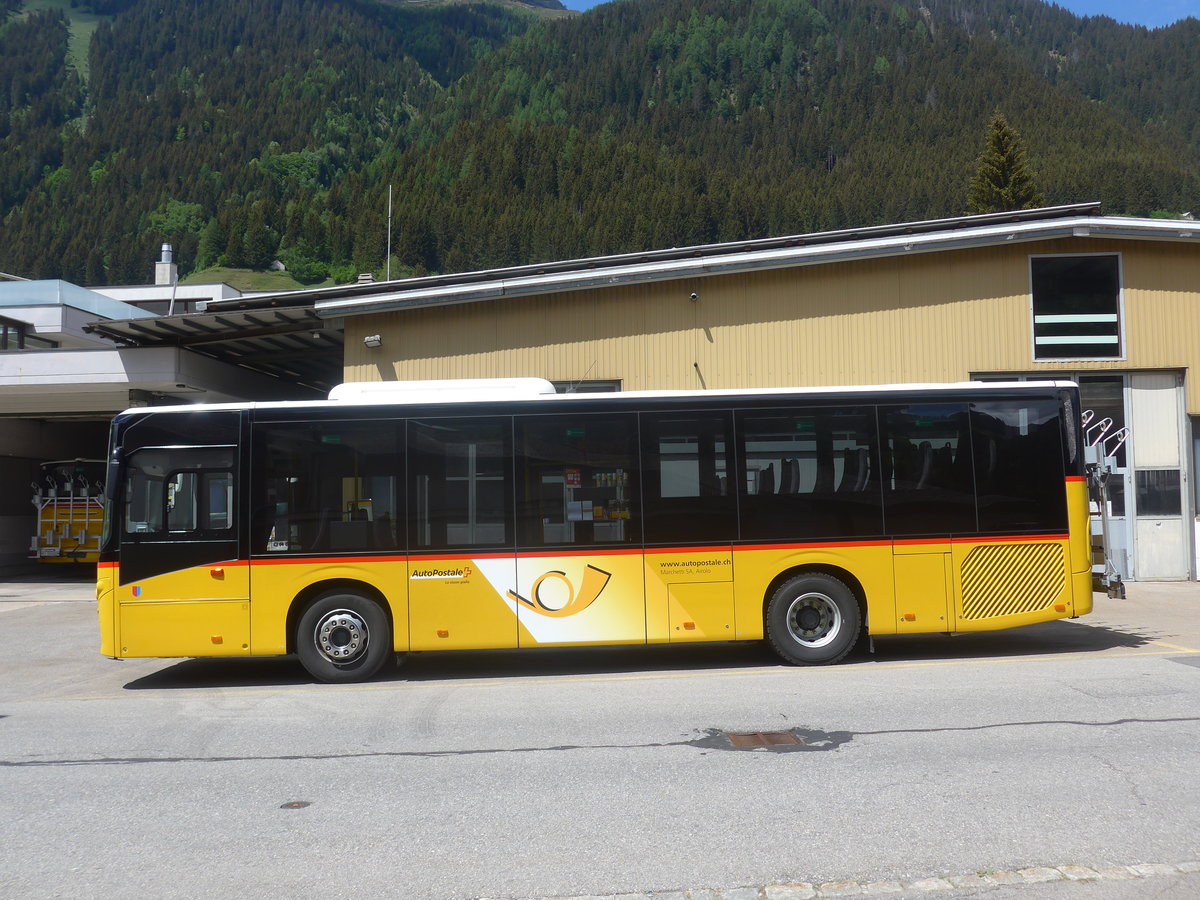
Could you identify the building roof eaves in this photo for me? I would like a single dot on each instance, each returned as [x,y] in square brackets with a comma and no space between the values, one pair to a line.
[740,258]
[733,262]
[460,280]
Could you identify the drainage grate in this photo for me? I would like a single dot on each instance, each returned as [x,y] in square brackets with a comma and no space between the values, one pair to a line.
[763,738]
[794,740]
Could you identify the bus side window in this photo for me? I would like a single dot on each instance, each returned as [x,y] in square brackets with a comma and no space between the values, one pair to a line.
[578,480]
[809,473]
[179,491]
[928,469]
[686,464]
[1016,445]
[326,486]
[460,483]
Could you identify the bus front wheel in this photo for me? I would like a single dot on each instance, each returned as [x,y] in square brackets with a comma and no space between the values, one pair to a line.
[813,619]
[343,637]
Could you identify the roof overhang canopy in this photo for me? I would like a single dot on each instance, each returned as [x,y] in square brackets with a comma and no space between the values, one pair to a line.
[291,344]
[91,383]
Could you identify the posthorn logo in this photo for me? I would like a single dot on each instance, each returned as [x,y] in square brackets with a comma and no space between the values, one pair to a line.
[594,582]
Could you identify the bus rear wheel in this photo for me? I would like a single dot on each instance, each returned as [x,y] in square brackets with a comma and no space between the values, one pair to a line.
[813,619]
[343,637]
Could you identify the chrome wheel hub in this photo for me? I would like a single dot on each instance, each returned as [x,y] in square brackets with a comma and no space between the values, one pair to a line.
[341,636]
[813,619]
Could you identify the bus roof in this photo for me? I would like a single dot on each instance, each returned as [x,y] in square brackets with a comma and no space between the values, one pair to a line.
[475,391]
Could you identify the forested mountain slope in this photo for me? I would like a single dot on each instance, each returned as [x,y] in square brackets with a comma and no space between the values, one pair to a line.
[274,129]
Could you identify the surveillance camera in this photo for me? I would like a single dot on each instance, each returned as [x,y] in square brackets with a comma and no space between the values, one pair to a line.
[694,296]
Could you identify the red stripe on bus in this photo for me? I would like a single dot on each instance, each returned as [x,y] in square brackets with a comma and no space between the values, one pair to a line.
[1009,539]
[910,542]
[629,551]
[814,545]
[567,551]
[464,554]
[325,560]
[1076,478]
[715,548]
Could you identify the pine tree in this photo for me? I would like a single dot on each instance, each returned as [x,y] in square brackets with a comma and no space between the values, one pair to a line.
[1003,180]
[213,241]
[93,273]
[258,247]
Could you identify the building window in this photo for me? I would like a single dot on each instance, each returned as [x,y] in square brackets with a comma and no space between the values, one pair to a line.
[16,335]
[595,386]
[165,307]
[1158,492]
[1076,307]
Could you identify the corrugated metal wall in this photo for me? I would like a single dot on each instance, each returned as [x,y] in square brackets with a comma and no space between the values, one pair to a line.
[927,317]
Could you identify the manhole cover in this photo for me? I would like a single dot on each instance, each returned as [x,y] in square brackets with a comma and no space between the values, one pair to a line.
[762,738]
[794,740]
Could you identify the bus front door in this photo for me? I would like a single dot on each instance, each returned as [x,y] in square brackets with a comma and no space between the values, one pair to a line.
[461,564]
[183,582]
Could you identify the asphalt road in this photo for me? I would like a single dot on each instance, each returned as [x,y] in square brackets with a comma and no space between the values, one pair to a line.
[600,772]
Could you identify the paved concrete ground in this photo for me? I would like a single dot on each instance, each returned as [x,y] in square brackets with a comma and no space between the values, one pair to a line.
[201,744]
[1168,614]
[1036,883]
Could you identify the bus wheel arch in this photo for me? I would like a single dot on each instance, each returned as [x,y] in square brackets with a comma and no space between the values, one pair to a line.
[814,614]
[341,631]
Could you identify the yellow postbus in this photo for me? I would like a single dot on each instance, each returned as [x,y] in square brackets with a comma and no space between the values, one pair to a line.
[465,515]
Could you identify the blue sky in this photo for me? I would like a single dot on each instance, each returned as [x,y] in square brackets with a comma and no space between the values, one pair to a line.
[1152,13]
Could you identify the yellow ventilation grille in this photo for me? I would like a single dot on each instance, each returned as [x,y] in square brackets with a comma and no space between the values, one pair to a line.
[1006,579]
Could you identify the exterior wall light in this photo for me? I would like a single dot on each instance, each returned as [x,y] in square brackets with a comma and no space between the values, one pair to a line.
[373,341]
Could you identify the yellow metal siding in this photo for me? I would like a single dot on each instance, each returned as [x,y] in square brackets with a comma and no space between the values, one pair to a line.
[926,317]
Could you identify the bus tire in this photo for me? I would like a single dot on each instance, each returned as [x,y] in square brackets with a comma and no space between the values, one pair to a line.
[813,619]
[343,637]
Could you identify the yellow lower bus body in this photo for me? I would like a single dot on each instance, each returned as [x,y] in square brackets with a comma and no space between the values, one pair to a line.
[491,600]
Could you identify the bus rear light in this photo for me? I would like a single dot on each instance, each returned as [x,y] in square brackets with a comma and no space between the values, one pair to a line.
[218,572]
